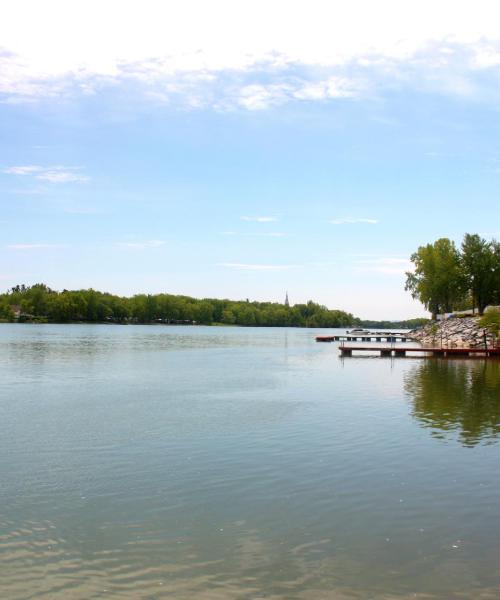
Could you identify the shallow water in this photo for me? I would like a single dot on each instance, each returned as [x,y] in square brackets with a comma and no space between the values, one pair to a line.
[153,462]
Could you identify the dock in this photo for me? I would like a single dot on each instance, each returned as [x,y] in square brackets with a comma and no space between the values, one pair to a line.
[439,352]
[365,337]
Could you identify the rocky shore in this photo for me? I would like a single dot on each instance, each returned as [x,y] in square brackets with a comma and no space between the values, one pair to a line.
[454,333]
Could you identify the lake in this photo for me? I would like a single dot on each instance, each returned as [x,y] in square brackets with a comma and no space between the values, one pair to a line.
[221,463]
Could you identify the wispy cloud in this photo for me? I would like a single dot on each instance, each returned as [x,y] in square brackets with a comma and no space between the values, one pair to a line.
[259,219]
[142,244]
[24,170]
[253,267]
[259,97]
[351,221]
[61,176]
[54,174]
[315,55]
[38,246]
[490,234]
[386,265]
[272,234]
[263,96]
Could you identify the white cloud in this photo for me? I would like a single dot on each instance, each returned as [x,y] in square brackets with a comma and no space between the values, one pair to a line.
[272,234]
[26,170]
[490,234]
[333,87]
[253,267]
[164,37]
[62,177]
[260,97]
[184,48]
[143,244]
[259,219]
[386,265]
[56,174]
[350,221]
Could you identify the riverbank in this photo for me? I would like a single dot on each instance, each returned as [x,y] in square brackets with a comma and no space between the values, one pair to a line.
[455,333]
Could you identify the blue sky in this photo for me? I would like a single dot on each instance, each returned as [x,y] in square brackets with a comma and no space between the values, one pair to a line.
[215,165]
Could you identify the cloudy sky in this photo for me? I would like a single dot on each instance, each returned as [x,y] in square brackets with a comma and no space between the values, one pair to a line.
[241,149]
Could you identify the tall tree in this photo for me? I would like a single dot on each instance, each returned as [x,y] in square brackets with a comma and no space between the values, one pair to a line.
[437,280]
[481,270]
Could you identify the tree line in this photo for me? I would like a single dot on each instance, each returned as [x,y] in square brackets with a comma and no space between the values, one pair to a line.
[40,303]
[447,278]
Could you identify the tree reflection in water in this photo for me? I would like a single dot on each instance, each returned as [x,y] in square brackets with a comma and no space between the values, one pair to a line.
[463,396]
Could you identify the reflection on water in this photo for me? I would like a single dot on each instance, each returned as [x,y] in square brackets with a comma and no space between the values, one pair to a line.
[148,463]
[454,395]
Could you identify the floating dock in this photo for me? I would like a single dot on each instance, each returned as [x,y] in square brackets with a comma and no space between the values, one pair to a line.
[400,352]
[365,337]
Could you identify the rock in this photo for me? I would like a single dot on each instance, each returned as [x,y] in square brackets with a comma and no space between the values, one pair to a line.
[464,332]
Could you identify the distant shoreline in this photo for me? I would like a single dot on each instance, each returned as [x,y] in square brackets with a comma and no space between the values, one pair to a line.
[40,322]
[40,303]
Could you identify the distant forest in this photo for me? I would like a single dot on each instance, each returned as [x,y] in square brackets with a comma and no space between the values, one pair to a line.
[39,303]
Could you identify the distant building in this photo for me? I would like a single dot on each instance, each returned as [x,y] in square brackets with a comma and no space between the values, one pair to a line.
[492,308]
[16,309]
[286,299]
[471,312]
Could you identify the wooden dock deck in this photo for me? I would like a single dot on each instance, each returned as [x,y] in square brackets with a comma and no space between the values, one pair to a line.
[401,352]
[372,337]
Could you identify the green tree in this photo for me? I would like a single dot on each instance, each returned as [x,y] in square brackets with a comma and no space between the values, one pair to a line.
[94,306]
[228,317]
[480,268]
[204,312]
[491,321]
[437,280]
[6,312]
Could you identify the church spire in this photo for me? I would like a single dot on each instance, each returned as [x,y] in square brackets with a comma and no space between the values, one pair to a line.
[286,299]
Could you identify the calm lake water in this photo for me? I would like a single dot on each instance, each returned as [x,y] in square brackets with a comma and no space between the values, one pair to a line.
[215,463]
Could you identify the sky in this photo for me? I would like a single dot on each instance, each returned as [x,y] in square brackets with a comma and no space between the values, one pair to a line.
[243,149]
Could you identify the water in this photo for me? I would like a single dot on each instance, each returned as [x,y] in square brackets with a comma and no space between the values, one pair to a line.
[228,463]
